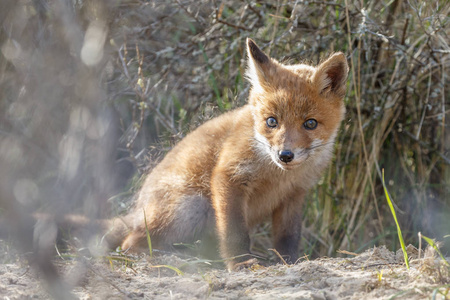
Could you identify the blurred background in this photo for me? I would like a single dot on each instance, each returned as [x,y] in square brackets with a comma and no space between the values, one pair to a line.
[94,93]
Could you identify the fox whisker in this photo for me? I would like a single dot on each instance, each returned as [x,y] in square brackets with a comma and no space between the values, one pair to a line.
[318,146]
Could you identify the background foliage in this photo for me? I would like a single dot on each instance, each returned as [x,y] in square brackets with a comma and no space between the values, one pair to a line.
[76,136]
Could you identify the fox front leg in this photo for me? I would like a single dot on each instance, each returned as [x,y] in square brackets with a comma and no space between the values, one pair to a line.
[286,227]
[232,230]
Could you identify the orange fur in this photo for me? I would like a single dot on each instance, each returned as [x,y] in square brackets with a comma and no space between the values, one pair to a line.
[228,175]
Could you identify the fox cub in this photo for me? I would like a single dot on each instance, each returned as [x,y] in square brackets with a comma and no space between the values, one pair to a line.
[240,168]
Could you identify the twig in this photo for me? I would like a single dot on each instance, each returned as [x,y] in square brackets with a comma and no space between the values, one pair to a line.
[420,244]
[279,255]
[380,264]
[218,15]
[347,252]
[279,17]
[232,25]
[305,256]
[405,27]
[254,10]
[425,107]
[326,3]
[195,17]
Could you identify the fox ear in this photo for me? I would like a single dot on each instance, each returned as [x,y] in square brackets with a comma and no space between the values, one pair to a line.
[259,65]
[331,75]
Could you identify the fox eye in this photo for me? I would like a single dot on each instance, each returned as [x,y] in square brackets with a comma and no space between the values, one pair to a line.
[310,124]
[271,122]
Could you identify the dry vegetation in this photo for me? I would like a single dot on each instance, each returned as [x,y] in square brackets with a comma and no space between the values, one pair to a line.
[77,131]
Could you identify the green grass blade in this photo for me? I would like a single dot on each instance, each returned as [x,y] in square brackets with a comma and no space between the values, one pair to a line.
[178,271]
[149,240]
[433,244]
[399,231]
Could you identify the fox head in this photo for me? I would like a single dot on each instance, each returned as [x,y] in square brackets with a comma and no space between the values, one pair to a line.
[297,109]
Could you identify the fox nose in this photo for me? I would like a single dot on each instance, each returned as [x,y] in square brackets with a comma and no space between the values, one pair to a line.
[285,156]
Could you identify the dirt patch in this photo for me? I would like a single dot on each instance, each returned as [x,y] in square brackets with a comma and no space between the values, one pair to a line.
[375,274]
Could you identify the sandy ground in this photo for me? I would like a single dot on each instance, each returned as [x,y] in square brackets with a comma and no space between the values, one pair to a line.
[375,274]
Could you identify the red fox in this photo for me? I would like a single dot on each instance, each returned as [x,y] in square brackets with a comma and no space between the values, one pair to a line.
[240,168]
